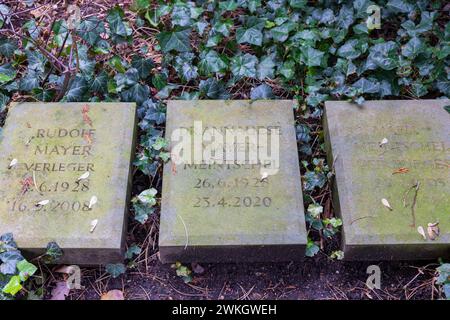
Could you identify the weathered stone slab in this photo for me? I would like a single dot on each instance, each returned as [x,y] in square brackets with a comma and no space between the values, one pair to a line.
[382,150]
[56,144]
[230,212]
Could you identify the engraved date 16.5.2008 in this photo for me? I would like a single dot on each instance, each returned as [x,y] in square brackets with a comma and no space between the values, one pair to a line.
[52,206]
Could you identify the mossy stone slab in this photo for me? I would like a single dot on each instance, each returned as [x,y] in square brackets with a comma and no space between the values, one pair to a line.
[228,213]
[56,144]
[382,150]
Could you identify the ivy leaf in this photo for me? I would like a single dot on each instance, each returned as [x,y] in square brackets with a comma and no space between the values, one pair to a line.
[90,30]
[211,62]
[116,24]
[148,196]
[367,86]
[250,35]
[36,61]
[345,18]
[53,253]
[212,88]
[181,15]
[13,286]
[280,33]
[287,69]
[7,73]
[132,251]
[4,99]
[228,5]
[413,48]
[115,270]
[26,269]
[9,261]
[298,4]
[383,55]
[99,84]
[7,47]
[312,57]
[77,89]
[4,12]
[314,180]
[140,4]
[43,95]
[262,91]
[143,66]
[418,89]
[137,93]
[151,113]
[400,6]
[176,40]
[143,211]
[311,248]
[244,65]
[7,242]
[349,50]
[266,68]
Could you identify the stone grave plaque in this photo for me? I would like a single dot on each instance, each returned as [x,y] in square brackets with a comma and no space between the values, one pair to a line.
[398,151]
[64,177]
[232,189]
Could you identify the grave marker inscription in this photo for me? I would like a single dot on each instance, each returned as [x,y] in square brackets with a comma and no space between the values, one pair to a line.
[64,177]
[392,176]
[234,193]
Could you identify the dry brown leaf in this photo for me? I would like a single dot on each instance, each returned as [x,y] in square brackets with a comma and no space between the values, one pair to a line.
[198,269]
[433,230]
[65,269]
[112,295]
[61,291]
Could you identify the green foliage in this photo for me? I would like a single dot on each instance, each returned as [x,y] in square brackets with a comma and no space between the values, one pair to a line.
[132,251]
[183,272]
[14,269]
[115,270]
[53,253]
[143,205]
[328,47]
[443,279]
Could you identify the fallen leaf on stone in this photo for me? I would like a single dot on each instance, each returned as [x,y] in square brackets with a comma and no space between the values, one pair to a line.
[84,176]
[112,295]
[383,142]
[61,291]
[92,202]
[401,170]
[42,203]
[13,163]
[421,231]
[433,230]
[93,225]
[386,204]
[264,176]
